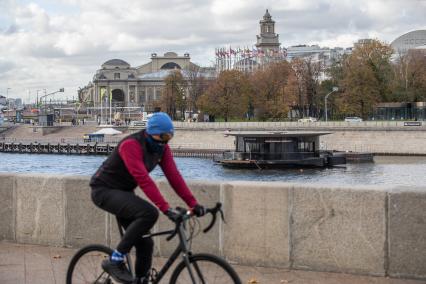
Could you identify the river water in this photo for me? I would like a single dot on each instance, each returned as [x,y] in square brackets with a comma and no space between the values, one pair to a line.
[410,171]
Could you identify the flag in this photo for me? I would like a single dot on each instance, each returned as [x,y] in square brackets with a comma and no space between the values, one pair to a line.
[103,91]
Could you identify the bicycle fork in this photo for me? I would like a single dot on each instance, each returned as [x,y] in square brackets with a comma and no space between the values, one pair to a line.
[186,255]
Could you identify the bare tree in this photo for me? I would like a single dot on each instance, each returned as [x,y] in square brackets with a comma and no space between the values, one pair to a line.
[197,85]
[307,73]
[172,98]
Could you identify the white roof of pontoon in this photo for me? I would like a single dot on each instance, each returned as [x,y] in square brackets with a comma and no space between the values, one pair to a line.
[108,131]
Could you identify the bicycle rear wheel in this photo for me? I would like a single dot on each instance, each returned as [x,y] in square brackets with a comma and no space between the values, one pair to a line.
[85,266]
[206,268]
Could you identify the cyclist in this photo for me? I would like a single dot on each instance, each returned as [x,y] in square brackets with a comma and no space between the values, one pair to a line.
[113,186]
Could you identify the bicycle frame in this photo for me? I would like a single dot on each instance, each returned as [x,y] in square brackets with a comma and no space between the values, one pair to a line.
[182,248]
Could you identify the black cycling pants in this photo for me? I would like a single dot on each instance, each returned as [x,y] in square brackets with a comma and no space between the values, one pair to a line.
[137,216]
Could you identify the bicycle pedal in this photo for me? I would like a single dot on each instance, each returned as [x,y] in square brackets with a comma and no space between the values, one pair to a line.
[153,274]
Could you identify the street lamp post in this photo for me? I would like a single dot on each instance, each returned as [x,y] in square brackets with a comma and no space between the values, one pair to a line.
[335,89]
[7,98]
[61,90]
[37,99]
[183,107]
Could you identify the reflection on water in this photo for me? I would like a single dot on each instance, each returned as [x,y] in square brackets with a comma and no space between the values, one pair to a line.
[384,171]
[399,160]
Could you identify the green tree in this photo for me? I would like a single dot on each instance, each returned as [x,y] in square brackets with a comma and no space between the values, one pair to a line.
[227,96]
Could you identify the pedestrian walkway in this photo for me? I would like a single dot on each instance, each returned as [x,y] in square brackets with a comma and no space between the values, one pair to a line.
[31,264]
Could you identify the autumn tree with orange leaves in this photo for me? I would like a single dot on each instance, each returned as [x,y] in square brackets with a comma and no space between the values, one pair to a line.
[228,96]
[274,91]
[365,79]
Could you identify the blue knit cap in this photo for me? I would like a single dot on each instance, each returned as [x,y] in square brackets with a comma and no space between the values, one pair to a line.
[159,123]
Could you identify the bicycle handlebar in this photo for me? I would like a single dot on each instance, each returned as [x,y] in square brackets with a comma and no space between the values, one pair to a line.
[214,211]
[186,214]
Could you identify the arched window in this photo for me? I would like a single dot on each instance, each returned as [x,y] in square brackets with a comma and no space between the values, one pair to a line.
[117,97]
[170,65]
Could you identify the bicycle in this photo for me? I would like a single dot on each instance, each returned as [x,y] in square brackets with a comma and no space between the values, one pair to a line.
[85,266]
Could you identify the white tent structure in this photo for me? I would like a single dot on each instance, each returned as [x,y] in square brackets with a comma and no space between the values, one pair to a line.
[108,131]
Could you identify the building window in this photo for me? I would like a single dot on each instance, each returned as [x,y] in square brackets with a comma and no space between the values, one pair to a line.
[132,94]
[142,96]
[116,76]
[150,96]
[304,146]
[158,93]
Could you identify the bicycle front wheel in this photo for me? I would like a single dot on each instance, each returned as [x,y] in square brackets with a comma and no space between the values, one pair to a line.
[85,266]
[206,268]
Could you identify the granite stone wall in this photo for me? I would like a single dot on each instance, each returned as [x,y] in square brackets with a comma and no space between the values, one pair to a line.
[362,230]
[390,138]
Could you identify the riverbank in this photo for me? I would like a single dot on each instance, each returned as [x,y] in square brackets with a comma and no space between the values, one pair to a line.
[378,138]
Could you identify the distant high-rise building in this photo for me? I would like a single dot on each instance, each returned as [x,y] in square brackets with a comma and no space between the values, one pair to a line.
[363,41]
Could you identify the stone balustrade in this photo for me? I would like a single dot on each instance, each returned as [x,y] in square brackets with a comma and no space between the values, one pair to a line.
[362,230]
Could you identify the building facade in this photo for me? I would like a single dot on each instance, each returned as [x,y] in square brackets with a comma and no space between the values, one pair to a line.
[118,85]
[412,40]
[268,49]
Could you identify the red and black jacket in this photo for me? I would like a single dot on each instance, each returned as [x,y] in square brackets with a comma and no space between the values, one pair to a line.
[129,165]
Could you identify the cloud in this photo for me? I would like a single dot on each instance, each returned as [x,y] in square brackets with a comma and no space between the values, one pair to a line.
[52,44]
[5,66]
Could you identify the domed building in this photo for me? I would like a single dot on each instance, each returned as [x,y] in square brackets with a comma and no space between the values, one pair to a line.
[135,87]
[408,41]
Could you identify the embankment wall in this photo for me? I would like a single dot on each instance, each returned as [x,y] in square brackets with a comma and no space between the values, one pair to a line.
[386,142]
[362,230]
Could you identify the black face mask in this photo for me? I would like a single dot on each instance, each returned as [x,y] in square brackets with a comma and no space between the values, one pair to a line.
[154,145]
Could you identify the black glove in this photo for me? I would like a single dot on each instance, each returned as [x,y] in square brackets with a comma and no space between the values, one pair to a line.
[199,210]
[173,215]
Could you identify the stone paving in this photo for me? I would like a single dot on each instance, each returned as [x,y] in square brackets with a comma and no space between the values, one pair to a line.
[34,264]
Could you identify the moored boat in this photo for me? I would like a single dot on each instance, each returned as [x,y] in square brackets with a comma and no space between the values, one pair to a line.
[279,149]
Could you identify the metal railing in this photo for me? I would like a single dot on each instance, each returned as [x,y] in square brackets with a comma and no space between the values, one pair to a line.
[111,140]
[288,124]
[64,140]
[232,155]
[201,146]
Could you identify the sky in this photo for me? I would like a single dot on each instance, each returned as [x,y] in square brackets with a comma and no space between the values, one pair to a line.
[50,44]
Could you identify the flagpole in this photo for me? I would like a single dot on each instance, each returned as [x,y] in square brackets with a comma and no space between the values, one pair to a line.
[102,99]
[110,108]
